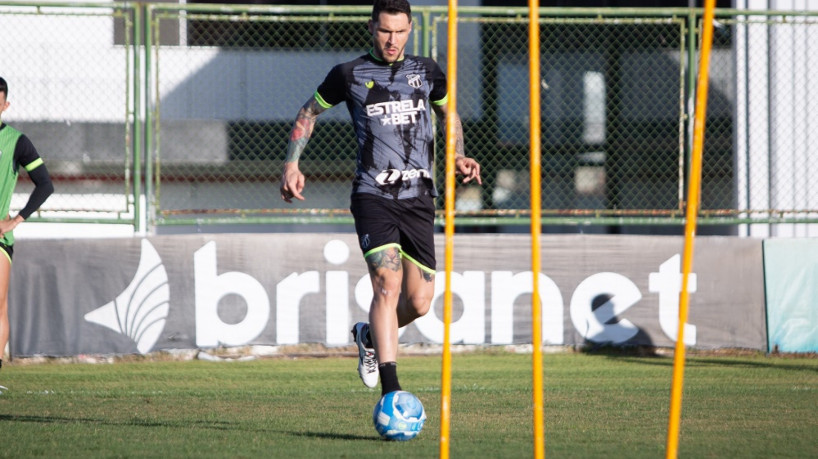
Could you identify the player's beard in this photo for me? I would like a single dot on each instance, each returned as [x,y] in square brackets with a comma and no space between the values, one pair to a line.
[382,53]
[393,57]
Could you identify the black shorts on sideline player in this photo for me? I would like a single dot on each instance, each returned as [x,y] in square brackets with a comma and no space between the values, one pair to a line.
[409,223]
[8,249]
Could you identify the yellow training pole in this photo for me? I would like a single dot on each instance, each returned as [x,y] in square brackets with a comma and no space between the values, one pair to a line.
[446,377]
[693,192]
[536,213]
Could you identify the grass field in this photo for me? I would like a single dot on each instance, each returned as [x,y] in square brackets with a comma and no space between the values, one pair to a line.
[595,406]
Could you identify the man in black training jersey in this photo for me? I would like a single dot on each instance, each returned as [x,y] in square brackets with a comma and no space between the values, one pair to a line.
[389,96]
[16,151]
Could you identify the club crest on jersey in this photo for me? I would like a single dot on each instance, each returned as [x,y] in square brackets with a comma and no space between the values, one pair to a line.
[414,80]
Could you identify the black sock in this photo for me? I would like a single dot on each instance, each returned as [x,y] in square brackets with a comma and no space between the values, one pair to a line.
[1,363]
[389,377]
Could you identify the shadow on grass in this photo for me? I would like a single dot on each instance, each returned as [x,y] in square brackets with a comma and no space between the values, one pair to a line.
[768,362]
[639,345]
[647,355]
[219,425]
[216,425]
[333,436]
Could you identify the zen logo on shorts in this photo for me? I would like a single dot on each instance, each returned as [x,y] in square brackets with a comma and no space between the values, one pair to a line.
[393,176]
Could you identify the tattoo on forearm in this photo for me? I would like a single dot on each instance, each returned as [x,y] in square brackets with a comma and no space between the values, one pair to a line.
[389,258]
[294,149]
[302,130]
[459,149]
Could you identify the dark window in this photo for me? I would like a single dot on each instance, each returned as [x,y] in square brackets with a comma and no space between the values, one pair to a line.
[298,33]
[611,3]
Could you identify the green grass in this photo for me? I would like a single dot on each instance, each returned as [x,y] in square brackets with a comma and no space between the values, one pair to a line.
[595,406]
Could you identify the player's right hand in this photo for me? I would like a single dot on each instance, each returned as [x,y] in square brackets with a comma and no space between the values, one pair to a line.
[292,183]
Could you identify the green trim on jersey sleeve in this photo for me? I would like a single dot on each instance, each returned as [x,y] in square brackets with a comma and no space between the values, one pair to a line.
[33,165]
[321,101]
[441,101]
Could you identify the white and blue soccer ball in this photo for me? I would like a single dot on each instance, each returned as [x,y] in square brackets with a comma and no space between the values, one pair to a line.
[399,416]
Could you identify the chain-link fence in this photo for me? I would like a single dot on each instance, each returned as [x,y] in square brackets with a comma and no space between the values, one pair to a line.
[70,76]
[612,113]
[191,109]
[229,84]
[771,71]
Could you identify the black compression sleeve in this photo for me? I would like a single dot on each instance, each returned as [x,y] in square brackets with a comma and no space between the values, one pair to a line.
[42,190]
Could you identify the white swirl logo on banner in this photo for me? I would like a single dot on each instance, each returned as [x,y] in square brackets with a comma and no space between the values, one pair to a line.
[141,310]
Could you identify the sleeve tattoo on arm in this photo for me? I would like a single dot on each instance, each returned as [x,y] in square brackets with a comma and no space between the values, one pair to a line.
[302,129]
[459,149]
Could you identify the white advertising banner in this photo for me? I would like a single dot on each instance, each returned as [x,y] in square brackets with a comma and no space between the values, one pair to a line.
[131,295]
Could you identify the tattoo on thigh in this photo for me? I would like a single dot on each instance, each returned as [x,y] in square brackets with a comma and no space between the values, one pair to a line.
[389,258]
[422,273]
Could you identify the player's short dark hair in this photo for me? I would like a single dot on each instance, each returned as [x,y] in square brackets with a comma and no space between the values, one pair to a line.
[391,7]
[4,87]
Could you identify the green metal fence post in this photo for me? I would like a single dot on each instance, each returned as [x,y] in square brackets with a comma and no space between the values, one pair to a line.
[137,107]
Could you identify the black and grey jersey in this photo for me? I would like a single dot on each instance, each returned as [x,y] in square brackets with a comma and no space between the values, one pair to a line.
[390,109]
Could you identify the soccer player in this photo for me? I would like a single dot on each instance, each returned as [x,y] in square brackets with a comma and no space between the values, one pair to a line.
[389,96]
[16,151]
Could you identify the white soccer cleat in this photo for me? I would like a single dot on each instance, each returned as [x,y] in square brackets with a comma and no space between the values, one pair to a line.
[367,363]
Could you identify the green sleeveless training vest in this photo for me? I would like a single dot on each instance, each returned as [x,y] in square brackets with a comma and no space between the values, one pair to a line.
[8,174]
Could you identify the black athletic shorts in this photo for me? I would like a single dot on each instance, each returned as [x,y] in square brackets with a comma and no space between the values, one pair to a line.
[408,224]
[8,249]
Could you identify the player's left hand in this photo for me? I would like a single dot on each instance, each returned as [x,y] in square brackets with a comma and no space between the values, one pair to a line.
[292,183]
[8,224]
[469,169]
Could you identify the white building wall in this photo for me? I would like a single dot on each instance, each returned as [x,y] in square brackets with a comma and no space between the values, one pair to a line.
[774,131]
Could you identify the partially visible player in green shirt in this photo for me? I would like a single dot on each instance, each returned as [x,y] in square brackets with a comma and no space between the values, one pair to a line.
[16,151]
